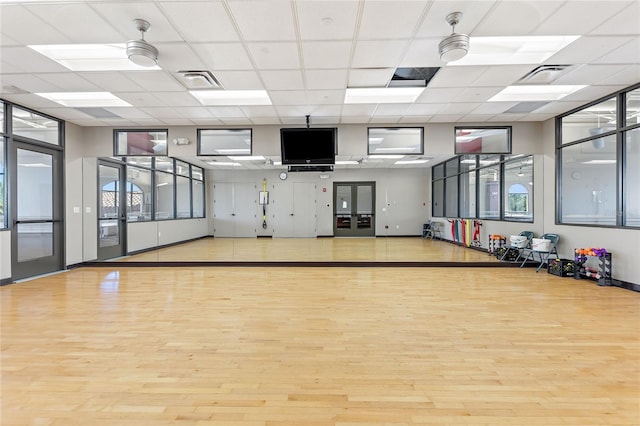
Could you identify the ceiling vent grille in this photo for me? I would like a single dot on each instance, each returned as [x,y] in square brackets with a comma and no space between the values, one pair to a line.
[544,74]
[199,80]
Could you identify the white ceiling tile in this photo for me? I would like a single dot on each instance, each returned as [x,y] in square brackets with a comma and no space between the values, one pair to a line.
[18,23]
[28,60]
[435,24]
[384,120]
[388,110]
[502,75]
[139,99]
[288,97]
[201,21]
[477,118]
[376,24]
[492,108]
[111,81]
[373,77]
[591,93]
[275,55]
[445,118]
[65,113]
[178,56]
[476,94]
[5,40]
[195,112]
[259,111]
[120,15]
[239,80]
[30,100]
[355,119]
[327,20]
[262,21]
[628,76]
[459,108]
[514,18]
[628,53]
[589,74]
[226,112]
[30,83]
[422,53]
[206,122]
[326,79]
[627,21]
[358,110]
[456,76]
[130,113]
[326,97]
[432,95]
[155,81]
[588,49]
[424,109]
[223,56]
[177,122]
[558,107]
[179,99]
[326,54]
[162,112]
[534,116]
[69,82]
[591,14]
[264,120]
[236,121]
[282,80]
[78,22]
[378,54]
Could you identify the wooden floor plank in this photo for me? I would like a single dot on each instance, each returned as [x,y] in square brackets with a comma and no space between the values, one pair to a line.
[318,346]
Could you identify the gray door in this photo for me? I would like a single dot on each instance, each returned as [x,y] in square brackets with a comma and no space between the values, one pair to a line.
[112,221]
[36,210]
[234,210]
[293,210]
[354,209]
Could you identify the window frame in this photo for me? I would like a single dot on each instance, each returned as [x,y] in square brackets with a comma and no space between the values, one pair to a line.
[401,152]
[117,132]
[201,153]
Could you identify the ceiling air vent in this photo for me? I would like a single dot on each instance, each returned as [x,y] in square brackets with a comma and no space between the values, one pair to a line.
[199,80]
[544,74]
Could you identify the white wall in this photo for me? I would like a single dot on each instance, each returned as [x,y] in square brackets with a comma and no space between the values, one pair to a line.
[5,255]
[74,229]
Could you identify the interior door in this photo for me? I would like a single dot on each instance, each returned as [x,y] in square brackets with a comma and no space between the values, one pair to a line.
[354,209]
[234,210]
[112,221]
[293,210]
[37,204]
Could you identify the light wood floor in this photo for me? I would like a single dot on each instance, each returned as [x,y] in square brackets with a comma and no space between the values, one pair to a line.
[315,249]
[318,347]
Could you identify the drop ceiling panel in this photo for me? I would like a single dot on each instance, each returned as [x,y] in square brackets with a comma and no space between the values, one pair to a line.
[120,16]
[373,77]
[501,75]
[375,23]
[201,21]
[589,74]
[326,54]
[588,49]
[27,59]
[591,93]
[457,76]
[459,108]
[162,112]
[591,14]
[424,110]
[326,79]
[179,99]
[275,55]
[476,94]
[177,122]
[236,121]
[422,53]
[358,110]
[226,112]
[4,39]
[155,81]
[325,97]
[288,97]
[139,99]
[30,83]
[435,24]
[111,81]
[627,77]
[327,20]
[65,113]
[437,95]
[627,21]
[239,80]
[129,113]
[259,111]
[18,23]
[223,56]
[388,110]
[282,80]
[264,21]
[378,54]
[492,108]
[628,53]
[178,56]
[517,18]
[78,22]
[69,82]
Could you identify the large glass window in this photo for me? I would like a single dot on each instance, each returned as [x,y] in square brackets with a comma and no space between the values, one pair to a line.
[183,197]
[467,194]
[597,161]
[3,223]
[489,193]
[632,178]
[198,198]
[395,140]
[224,142]
[438,198]
[589,182]
[164,201]
[518,189]
[483,140]
[139,194]
[451,196]
[35,126]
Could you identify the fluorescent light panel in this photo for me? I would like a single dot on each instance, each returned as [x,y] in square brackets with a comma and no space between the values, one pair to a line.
[224,163]
[85,99]
[528,92]
[231,97]
[513,50]
[386,157]
[90,57]
[382,95]
[347,163]
[401,162]
[246,157]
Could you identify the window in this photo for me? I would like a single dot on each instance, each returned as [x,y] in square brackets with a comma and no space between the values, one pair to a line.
[438,198]
[632,177]
[518,183]
[451,196]
[3,221]
[467,194]
[140,142]
[139,194]
[35,126]
[483,140]
[489,195]
[233,142]
[197,188]
[164,202]
[395,140]
[183,197]
[598,164]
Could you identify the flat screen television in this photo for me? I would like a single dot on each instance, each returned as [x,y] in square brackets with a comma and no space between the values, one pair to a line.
[308,146]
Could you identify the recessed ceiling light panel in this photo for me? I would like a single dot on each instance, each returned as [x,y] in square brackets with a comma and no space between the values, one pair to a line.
[85,99]
[382,95]
[231,97]
[90,57]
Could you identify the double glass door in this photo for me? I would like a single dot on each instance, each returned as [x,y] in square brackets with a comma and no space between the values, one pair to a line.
[354,209]
[37,211]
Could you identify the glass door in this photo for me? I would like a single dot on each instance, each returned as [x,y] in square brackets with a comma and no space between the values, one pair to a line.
[354,209]
[112,221]
[37,206]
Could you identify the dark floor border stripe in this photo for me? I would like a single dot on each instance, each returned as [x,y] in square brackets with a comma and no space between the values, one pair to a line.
[306,264]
